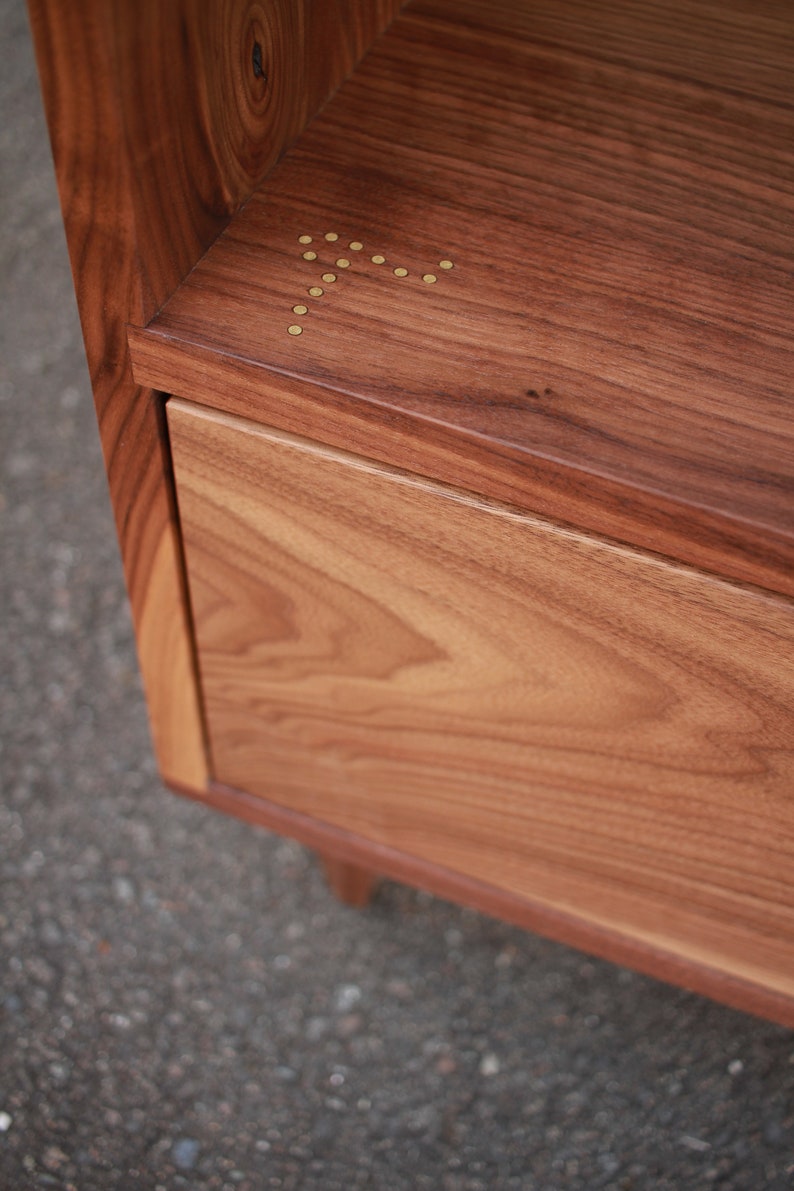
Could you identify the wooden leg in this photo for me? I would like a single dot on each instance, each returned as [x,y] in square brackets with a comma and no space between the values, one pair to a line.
[352,884]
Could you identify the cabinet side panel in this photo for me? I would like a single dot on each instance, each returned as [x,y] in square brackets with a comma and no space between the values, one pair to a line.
[571,722]
[74,45]
[160,127]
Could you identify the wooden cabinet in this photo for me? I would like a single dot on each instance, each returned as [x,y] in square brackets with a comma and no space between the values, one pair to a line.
[479,464]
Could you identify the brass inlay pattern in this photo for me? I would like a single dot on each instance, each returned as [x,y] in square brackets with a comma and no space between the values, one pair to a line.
[344,263]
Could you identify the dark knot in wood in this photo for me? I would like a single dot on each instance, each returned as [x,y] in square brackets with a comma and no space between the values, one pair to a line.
[256,58]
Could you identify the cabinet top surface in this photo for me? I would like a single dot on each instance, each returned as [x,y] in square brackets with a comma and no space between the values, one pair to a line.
[613,188]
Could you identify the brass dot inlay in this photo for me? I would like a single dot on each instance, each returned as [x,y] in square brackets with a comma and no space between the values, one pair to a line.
[344,262]
[295,329]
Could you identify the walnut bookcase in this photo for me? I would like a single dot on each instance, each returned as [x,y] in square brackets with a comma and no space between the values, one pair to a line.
[461,547]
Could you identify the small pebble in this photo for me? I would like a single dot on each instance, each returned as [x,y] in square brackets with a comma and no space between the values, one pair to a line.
[123,889]
[347,997]
[735,1067]
[349,1025]
[696,1144]
[5,1122]
[489,1065]
[315,1028]
[184,1152]
[54,1158]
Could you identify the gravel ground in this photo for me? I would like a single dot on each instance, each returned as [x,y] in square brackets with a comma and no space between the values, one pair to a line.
[183,1005]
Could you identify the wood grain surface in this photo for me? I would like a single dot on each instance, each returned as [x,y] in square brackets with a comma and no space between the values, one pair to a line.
[563,719]
[160,128]
[614,185]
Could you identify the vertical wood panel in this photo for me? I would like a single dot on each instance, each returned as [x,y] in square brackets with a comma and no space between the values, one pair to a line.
[160,128]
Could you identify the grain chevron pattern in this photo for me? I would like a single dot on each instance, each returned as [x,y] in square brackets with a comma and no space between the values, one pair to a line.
[563,719]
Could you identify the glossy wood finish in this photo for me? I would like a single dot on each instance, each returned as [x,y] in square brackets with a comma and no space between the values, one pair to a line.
[161,127]
[571,722]
[611,349]
[613,346]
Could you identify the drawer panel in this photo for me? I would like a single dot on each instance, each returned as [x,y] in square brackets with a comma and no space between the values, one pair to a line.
[591,728]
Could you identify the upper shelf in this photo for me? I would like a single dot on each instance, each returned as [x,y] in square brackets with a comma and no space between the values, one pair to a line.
[614,188]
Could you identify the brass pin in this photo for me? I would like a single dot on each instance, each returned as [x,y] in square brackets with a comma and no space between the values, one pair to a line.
[343,263]
[316,291]
[445,265]
[304,239]
[310,256]
[329,277]
[430,278]
[400,272]
[355,246]
[331,237]
[295,329]
[300,309]
[379,260]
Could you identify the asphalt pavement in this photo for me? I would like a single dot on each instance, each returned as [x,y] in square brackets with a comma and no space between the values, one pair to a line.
[182,1003]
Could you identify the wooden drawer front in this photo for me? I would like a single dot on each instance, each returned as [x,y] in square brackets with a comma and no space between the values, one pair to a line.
[579,724]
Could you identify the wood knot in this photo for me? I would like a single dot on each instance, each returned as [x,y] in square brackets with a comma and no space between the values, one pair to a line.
[256,61]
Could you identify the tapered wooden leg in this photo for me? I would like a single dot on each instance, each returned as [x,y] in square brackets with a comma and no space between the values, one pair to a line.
[352,884]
